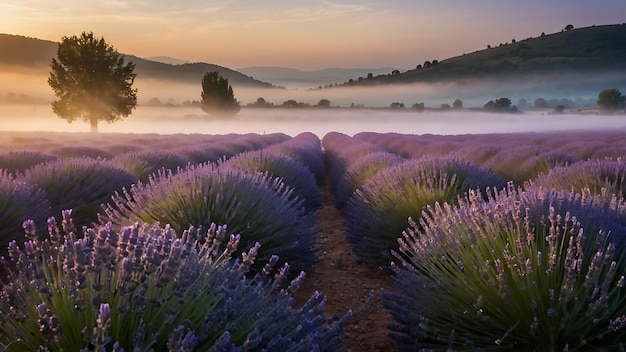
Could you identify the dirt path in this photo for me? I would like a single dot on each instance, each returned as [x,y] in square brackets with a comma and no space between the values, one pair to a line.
[346,282]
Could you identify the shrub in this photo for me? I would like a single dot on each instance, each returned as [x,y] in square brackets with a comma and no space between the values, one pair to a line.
[292,173]
[144,289]
[377,212]
[478,153]
[19,201]
[359,171]
[81,151]
[207,153]
[306,148]
[542,164]
[516,271]
[506,163]
[81,184]
[19,161]
[596,175]
[340,150]
[255,204]
[143,164]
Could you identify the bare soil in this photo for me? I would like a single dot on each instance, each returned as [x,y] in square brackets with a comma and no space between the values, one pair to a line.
[346,282]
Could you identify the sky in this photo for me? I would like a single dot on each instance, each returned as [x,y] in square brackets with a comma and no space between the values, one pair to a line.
[306,35]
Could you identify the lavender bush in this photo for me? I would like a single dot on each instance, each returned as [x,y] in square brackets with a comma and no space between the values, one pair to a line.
[377,212]
[206,153]
[144,163]
[79,183]
[306,148]
[292,173]
[145,289]
[506,163]
[339,151]
[79,151]
[18,161]
[596,175]
[258,205]
[537,270]
[542,164]
[359,171]
[19,201]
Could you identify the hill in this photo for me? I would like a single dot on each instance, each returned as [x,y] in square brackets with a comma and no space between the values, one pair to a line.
[30,53]
[167,60]
[293,77]
[560,59]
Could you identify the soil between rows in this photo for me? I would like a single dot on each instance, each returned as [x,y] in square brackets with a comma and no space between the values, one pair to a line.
[347,282]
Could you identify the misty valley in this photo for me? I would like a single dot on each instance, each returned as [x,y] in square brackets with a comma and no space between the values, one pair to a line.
[191,120]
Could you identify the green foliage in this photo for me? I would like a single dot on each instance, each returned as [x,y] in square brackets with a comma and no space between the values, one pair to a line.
[145,289]
[19,201]
[258,205]
[377,212]
[516,271]
[611,100]
[323,103]
[358,172]
[91,81]
[596,176]
[19,161]
[142,164]
[292,173]
[418,106]
[81,184]
[217,95]
[526,162]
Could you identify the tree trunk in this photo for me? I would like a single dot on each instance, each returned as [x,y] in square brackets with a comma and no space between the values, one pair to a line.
[94,125]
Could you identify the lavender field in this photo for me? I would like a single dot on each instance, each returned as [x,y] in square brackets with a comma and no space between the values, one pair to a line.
[200,241]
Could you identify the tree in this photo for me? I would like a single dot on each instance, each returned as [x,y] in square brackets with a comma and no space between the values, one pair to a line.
[540,103]
[522,102]
[611,100]
[91,81]
[569,27]
[502,104]
[418,106]
[323,103]
[217,95]
[457,104]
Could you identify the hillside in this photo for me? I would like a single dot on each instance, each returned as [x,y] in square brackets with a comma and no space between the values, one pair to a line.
[31,53]
[583,51]
[289,76]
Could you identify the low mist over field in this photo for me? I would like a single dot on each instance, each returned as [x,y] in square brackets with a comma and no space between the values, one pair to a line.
[164,120]
[473,93]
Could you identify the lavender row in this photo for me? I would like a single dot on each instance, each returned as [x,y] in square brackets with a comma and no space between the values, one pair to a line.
[150,288]
[517,157]
[521,270]
[257,205]
[84,184]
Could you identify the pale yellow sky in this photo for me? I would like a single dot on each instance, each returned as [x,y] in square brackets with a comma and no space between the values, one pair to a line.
[303,34]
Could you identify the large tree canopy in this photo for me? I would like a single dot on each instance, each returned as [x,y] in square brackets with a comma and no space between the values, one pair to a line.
[217,95]
[91,81]
[611,100]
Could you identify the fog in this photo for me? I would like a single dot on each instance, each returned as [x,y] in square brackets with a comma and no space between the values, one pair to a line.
[192,120]
[472,93]
[168,120]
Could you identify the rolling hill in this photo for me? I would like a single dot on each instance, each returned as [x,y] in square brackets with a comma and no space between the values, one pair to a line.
[293,77]
[561,59]
[31,53]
